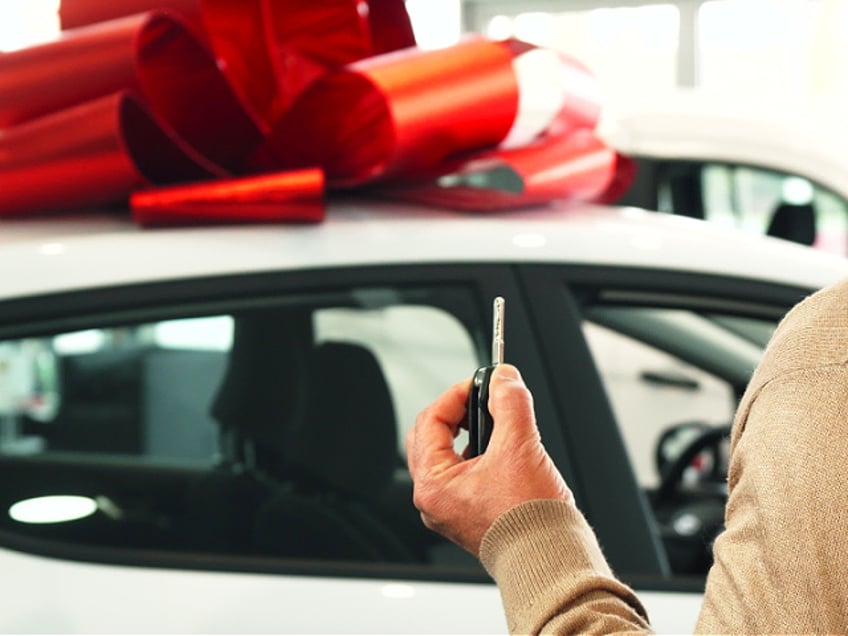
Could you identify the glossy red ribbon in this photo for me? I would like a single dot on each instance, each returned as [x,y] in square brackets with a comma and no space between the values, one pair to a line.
[239,107]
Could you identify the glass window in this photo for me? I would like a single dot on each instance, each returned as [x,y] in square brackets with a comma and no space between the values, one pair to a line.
[435,340]
[673,378]
[275,430]
[651,391]
[771,202]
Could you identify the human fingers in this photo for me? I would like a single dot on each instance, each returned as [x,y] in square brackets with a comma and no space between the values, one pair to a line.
[429,443]
[461,499]
[511,406]
[516,445]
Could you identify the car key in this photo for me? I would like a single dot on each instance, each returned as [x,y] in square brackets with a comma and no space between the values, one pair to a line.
[480,420]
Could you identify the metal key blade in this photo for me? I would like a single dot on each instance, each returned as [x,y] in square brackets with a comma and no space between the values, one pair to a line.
[498,331]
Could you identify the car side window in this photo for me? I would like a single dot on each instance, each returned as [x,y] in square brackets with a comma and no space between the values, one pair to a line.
[747,198]
[651,391]
[272,431]
[775,203]
[137,390]
[673,378]
[420,349]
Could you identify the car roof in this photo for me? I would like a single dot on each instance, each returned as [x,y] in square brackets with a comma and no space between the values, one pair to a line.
[807,139]
[87,251]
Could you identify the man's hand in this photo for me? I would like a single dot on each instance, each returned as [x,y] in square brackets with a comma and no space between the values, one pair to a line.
[461,498]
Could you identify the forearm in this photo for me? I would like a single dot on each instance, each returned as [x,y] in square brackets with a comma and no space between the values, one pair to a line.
[553,576]
[780,565]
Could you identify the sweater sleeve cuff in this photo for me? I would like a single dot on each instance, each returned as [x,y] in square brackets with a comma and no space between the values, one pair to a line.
[545,558]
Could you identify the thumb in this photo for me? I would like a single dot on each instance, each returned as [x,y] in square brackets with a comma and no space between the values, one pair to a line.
[511,406]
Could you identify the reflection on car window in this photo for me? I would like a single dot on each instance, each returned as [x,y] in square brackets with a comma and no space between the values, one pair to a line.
[204,334]
[673,378]
[775,203]
[274,431]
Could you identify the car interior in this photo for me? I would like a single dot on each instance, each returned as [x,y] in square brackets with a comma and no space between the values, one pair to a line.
[690,456]
[277,464]
[680,187]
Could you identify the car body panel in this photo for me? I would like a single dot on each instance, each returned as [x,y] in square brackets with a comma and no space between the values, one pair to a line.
[524,252]
[804,139]
[758,166]
[99,252]
[110,599]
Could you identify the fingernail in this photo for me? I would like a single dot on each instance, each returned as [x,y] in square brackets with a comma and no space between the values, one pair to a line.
[507,372]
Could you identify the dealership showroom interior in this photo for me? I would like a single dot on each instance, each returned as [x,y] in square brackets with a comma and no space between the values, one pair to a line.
[423,316]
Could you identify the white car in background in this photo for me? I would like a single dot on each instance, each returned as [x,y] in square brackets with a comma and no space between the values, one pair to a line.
[770,167]
[201,430]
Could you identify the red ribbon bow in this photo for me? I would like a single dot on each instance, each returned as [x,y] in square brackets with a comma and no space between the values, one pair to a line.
[223,110]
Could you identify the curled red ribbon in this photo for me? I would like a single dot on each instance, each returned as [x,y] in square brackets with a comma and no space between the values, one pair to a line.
[239,107]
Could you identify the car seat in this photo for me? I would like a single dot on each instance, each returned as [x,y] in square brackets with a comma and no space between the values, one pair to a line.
[262,390]
[339,458]
[260,393]
[794,222]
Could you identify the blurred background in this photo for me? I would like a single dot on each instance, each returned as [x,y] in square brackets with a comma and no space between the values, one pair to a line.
[783,51]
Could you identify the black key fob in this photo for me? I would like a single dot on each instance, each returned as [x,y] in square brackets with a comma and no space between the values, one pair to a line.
[480,421]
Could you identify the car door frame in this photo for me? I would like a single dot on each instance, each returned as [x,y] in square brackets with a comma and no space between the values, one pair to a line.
[544,320]
[554,296]
[83,309]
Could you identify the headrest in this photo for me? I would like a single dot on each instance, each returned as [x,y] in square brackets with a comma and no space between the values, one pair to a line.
[794,222]
[346,436]
[262,388]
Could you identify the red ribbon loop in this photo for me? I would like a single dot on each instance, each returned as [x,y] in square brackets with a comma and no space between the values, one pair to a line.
[258,95]
[401,113]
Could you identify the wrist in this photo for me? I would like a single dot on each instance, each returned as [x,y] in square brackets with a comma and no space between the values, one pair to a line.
[547,532]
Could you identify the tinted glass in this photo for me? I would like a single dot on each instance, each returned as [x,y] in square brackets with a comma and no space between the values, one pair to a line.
[673,378]
[775,203]
[275,431]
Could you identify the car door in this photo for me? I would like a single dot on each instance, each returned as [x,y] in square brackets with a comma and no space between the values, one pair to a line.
[648,367]
[225,431]
[226,454]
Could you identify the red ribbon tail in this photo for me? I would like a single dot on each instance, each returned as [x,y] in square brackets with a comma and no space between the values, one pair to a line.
[573,167]
[295,196]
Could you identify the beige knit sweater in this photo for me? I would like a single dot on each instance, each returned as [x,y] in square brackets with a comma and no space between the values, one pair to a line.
[781,566]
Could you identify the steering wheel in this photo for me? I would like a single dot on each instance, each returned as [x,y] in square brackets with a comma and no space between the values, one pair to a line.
[671,473]
[689,521]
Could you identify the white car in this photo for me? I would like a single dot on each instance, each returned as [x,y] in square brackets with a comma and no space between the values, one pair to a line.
[765,167]
[202,428]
